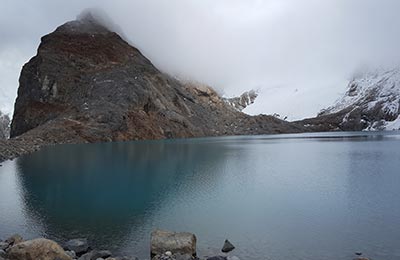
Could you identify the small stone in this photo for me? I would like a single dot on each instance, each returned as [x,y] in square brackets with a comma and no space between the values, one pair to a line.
[217,258]
[86,256]
[168,253]
[71,253]
[361,258]
[101,254]
[3,245]
[95,254]
[122,258]
[183,257]
[13,240]
[78,245]
[100,258]
[233,258]
[227,246]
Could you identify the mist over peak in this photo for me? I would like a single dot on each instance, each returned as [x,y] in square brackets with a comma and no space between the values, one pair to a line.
[100,17]
[297,52]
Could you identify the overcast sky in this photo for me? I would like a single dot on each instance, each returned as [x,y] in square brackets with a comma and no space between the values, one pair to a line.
[299,54]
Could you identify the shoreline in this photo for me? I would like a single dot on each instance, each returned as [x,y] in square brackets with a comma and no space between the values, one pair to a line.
[13,148]
[164,245]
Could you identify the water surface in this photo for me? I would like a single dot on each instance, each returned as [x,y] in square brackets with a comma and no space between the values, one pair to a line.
[309,196]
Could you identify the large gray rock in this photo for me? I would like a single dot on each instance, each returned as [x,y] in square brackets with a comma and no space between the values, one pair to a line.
[37,249]
[182,243]
[78,245]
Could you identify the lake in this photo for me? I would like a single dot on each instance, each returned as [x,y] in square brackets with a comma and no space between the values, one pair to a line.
[305,196]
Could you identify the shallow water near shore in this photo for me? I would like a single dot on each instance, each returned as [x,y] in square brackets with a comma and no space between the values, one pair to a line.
[305,196]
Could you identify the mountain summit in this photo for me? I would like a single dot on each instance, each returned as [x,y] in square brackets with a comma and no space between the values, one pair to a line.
[87,84]
[371,102]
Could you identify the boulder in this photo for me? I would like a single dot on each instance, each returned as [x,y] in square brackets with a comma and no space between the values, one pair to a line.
[233,258]
[227,246]
[163,241]
[78,245]
[38,249]
[2,253]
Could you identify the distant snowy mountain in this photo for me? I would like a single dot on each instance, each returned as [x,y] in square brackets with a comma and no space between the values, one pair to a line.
[4,126]
[371,102]
[240,103]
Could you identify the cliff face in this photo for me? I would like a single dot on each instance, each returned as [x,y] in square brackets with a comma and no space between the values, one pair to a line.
[86,84]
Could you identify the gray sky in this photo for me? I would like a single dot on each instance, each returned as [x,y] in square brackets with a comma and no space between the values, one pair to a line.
[298,53]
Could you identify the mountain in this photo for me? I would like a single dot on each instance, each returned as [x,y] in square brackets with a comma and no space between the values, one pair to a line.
[371,102]
[4,126]
[243,101]
[86,84]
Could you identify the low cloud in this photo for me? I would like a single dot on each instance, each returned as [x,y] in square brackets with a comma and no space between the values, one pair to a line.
[299,54]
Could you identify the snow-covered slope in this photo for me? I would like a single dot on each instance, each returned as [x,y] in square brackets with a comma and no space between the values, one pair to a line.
[371,102]
[240,103]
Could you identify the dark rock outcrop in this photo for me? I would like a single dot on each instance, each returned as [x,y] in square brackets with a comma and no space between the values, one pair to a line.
[86,84]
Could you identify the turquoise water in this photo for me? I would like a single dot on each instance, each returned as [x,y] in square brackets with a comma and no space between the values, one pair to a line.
[314,196]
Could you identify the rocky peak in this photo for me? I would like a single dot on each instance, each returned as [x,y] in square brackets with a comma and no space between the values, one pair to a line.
[87,84]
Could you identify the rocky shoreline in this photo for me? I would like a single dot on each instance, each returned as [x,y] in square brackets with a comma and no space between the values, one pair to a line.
[164,245]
